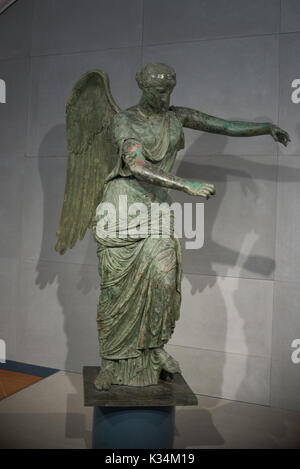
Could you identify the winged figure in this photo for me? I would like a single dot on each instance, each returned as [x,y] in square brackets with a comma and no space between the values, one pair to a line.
[127,155]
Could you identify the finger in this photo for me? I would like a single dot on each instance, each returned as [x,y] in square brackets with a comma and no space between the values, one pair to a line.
[210,188]
[286,140]
[206,191]
[211,191]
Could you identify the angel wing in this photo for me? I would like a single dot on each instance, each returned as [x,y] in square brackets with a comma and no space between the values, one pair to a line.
[91,154]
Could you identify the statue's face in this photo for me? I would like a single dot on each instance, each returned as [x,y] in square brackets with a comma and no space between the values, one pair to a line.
[158,96]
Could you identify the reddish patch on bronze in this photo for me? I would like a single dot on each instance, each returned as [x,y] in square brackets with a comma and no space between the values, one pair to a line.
[132,148]
[100,325]
[140,162]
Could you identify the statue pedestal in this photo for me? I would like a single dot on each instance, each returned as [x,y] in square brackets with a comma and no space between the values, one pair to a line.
[135,417]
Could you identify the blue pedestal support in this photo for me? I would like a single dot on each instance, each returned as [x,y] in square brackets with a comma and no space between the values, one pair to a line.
[133,427]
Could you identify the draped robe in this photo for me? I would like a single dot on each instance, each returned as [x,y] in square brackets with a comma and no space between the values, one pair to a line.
[140,275]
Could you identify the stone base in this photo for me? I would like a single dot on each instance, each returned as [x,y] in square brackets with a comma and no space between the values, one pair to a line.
[174,393]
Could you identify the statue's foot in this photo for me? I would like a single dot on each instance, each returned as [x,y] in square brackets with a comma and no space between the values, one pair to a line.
[166,376]
[103,380]
[167,362]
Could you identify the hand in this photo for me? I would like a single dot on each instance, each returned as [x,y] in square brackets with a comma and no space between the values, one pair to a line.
[279,135]
[200,188]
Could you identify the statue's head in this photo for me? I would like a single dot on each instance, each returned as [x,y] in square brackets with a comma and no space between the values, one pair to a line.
[157,82]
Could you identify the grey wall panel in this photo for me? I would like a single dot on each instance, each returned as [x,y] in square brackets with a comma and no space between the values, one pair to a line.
[234,78]
[57,315]
[285,374]
[74,25]
[239,223]
[15,30]
[11,190]
[8,287]
[179,21]
[288,220]
[289,111]
[231,315]
[52,80]
[210,426]
[232,376]
[13,113]
[290,16]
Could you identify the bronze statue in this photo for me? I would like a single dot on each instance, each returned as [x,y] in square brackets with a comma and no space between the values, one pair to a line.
[114,153]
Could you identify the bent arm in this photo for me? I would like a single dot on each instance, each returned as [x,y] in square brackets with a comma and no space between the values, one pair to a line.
[199,121]
[143,170]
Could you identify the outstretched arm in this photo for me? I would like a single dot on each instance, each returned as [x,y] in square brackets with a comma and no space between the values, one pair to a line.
[199,121]
[143,170]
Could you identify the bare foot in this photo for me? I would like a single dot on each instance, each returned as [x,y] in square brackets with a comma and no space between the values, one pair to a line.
[166,376]
[103,380]
[168,363]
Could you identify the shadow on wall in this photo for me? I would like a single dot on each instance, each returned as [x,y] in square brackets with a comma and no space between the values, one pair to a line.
[74,324]
[75,327]
[241,257]
[195,428]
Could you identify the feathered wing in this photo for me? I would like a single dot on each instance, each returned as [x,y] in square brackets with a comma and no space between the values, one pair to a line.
[91,154]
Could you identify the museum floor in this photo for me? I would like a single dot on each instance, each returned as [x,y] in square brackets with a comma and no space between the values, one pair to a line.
[49,413]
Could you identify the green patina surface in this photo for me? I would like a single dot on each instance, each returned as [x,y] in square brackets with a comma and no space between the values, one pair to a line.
[114,152]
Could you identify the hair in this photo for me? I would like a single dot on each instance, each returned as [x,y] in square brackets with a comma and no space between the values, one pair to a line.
[156,74]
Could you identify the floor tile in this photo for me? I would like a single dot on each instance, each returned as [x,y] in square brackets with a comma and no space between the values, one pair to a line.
[11,382]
